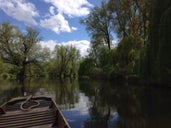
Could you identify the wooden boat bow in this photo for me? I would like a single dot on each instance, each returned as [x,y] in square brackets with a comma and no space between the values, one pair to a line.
[32,112]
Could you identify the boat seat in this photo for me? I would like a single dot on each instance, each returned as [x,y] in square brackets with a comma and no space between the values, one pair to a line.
[19,119]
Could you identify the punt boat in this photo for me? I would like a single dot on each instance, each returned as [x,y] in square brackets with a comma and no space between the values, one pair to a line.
[32,112]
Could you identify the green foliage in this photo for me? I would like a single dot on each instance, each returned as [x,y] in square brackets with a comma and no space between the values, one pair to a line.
[143,27]
[99,25]
[20,49]
[86,67]
[1,66]
[66,60]
[156,59]
[164,55]
[129,54]
[130,17]
[144,30]
[23,56]
[130,20]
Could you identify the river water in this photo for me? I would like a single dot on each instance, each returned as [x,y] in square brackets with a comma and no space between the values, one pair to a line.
[99,104]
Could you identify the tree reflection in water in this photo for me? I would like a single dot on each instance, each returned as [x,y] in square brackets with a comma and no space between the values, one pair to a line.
[64,92]
[103,105]
[115,121]
[127,106]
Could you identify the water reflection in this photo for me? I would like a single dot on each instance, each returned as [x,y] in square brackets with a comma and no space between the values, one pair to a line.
[115,121]
[127,106]
[94,104]
[65,92]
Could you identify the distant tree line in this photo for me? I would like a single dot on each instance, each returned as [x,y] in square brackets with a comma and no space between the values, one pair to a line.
[143,28]
[22,56]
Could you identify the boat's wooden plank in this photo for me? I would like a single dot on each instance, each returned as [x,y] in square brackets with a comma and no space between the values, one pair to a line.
[28,122]
[38,116]
[26,117]
[18,112]
[28,125]
[44,126]
[31,114]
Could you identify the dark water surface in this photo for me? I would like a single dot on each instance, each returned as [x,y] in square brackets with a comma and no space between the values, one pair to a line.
[92,104]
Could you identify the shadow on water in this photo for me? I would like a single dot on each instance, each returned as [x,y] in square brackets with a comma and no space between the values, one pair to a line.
[99,104]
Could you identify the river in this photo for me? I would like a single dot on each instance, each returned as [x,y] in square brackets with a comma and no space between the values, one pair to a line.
[99,104]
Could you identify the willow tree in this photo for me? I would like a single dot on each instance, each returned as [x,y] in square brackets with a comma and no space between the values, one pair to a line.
[157,59]
[161,40]
[19,49]
[164,55]
[66,60]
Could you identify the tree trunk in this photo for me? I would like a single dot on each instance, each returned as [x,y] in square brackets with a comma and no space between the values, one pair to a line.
[22,74]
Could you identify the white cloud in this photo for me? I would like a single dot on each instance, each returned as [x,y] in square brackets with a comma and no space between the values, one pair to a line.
[48,44]
[71,8]
[20,10]
[56,23]
[52,10]
[114,43]
[74,28]
[56,20]
[82,45]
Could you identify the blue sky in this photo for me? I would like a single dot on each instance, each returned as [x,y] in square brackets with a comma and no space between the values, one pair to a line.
[57,20]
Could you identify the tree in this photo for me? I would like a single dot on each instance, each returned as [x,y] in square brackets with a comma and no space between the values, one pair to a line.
[98,24]
[20,49]
[2,67]
[164,54]
[129,50]
[86,67]
[157,57]
[40,68]
[66,59]
[130,17]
